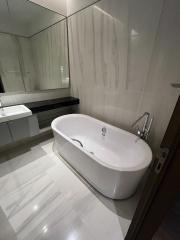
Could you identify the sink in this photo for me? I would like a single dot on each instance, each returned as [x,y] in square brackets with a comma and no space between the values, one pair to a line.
[14,112]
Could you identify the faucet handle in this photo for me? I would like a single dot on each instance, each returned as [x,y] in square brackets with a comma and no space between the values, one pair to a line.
[140,133]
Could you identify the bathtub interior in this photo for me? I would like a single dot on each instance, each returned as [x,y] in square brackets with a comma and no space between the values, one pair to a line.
[118,148]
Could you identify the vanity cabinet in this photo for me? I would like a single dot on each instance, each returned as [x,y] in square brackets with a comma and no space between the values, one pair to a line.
[24,128]
[5,135]
[18,129]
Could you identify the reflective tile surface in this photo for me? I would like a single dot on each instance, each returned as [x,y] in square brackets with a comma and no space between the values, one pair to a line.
[124,55]
[42,198]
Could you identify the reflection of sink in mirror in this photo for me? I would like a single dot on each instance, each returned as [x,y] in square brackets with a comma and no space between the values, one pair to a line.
[14,112]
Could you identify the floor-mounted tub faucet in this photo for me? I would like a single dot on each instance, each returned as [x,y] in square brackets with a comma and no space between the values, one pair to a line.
[144,132]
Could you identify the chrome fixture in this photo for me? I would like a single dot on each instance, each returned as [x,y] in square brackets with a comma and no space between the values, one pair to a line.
[144,132]
[104,130]
[78,141]
[175,85]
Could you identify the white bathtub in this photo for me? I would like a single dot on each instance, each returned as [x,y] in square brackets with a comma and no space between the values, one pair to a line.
[114,164]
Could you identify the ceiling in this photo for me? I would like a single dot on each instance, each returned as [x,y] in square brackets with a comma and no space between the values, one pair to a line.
[28,17]
[25,18]
[65,7]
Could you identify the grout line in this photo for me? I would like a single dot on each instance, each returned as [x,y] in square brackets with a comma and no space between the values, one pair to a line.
[91,4]
[64,19]
[68,47]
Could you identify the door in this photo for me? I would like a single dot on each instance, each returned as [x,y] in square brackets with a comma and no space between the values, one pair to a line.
[5,135]
[162,185]
[170,226]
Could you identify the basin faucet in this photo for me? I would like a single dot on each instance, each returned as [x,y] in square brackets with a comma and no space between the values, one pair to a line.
[144,132]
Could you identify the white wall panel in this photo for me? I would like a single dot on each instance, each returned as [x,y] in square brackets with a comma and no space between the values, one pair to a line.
[123,57]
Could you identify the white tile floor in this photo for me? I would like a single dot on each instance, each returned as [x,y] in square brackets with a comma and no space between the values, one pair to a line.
[41,198]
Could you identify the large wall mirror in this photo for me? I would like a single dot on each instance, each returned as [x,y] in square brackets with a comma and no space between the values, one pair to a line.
[33,48]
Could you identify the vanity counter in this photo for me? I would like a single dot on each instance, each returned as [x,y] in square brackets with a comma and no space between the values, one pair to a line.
[41,106]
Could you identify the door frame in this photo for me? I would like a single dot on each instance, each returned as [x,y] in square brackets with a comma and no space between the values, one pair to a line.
[156,200]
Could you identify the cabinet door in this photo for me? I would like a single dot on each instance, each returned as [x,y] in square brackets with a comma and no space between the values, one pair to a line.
[19,129]
[24,127]
[5,136]
[33,125]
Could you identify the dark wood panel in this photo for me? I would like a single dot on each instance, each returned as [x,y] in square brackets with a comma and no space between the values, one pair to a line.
[173,129]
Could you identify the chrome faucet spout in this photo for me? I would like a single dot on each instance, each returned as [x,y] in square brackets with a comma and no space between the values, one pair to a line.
[145,114]
[144,133]
[147,117]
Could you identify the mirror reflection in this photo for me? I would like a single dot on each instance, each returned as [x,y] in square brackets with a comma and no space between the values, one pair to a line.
[33,48]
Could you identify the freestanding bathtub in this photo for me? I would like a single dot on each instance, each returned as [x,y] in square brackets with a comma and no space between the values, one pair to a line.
[112,160]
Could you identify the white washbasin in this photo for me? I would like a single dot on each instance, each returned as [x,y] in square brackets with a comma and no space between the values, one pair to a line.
[14,112]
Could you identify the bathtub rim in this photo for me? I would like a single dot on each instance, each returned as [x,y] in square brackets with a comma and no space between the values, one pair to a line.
[136,168]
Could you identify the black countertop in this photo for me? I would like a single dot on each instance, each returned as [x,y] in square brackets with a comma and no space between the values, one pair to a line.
[41,106]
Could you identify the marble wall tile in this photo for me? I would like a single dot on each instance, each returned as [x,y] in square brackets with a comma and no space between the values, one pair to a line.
[75,5]
[10,63]
[36,63]
[26,63]
[50,57]
[18,98]
[123,57]
[17,65]
[17,70]
[144,17]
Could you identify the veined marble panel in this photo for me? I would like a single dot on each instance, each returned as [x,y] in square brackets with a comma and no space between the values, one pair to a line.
[144,17]
[50,57]
[16,63]
[37,63]
[123,57]
[27,64]
[20,98]
[74,6]
[10,65]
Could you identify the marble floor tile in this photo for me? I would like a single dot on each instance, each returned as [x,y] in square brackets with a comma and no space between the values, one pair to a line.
[42,198]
